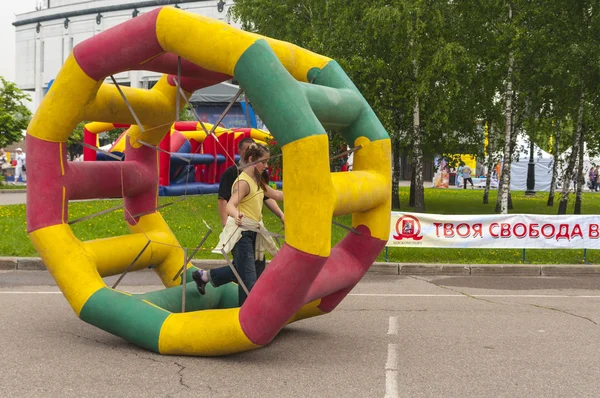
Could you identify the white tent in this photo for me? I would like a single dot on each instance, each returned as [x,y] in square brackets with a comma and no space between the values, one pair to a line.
[221,92]
[543,167]
[518,170]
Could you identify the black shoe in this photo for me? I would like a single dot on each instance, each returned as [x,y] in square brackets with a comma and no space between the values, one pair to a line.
[200,284]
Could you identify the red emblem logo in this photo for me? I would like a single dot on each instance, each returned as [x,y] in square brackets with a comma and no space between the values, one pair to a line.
[408,227]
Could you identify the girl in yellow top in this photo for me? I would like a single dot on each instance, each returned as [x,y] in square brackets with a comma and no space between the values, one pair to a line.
[244,210]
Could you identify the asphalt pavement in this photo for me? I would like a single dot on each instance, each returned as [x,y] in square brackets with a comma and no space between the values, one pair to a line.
[393,336]
[10,197]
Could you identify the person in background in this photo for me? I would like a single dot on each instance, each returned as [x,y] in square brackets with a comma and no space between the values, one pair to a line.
[229,177]
[3,161]
[459,174]
[466,174]
[350,161]
[593,176]
[20,168]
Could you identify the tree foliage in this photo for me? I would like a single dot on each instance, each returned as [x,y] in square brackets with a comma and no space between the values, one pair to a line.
[396,52]
[14,115]
[435,72]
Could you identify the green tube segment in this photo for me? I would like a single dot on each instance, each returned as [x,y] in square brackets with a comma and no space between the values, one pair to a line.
[294,110]
[367,124]
[137,321]
[124,316]
[225,296]
[335,109]
[276,95]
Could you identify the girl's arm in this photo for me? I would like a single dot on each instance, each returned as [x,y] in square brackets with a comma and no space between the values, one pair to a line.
[274,194]
[275,209]
[238,192]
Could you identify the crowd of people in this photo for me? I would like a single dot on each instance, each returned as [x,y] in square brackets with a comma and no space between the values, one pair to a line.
[18,164]
[594,178]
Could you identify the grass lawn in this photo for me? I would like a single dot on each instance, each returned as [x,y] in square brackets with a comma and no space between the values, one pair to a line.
[11,186]
[185,219]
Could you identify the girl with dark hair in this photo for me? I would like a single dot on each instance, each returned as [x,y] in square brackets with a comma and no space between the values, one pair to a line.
[242,234]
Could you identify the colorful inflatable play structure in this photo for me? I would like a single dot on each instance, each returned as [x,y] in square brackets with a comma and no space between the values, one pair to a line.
[191,161]
[297,94]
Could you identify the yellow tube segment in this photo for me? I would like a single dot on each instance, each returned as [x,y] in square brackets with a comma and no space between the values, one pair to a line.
[60,111]
[375,157]
[183,33]
[119,146]
[307,311]
[222,45]
[108,106]
[154,123]
[99,127]
[206,333]
[308,192]
[260,135]
[113,262]
[359,191]
[69,263]
[297,60]
[198,136]
[168,268]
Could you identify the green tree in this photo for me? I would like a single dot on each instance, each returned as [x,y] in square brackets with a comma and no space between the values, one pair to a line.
[74,147]
[402,56]
[14,115]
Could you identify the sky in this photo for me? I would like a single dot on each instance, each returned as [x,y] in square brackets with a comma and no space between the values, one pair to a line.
[8,10]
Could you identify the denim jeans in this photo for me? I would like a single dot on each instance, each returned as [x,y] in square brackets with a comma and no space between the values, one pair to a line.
[245,265]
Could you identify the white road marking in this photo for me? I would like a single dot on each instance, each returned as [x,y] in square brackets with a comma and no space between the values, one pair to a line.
[393,326]
[30,292]
[472,295]
[391,372]
[391,384]
[394,295]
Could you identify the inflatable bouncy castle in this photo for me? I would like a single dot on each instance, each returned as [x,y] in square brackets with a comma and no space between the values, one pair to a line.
[191,161]
[296,93]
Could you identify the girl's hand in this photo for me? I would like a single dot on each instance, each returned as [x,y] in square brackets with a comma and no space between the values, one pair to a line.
[238,219]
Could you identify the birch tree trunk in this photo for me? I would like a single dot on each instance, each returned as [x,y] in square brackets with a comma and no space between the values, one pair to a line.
[568,177]
[418,160]
[490,163]
[502,202]
[555,148]
[411,195]
[513,144]
[580,175]
[396,156]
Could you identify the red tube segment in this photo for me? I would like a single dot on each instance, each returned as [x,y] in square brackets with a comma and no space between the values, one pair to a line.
[89,138]
[295,278]
[124,40]
[90,180]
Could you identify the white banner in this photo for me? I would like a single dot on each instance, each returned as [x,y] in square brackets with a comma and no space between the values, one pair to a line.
[491,231]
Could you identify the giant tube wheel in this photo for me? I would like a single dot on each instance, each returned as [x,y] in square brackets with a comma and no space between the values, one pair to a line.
[306,278]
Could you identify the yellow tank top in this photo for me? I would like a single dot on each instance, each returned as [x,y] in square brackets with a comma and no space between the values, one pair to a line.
[252,204]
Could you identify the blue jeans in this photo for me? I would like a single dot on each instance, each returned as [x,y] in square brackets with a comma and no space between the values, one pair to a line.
[244,263]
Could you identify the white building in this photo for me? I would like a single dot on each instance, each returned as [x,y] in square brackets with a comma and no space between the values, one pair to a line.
[46,37]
